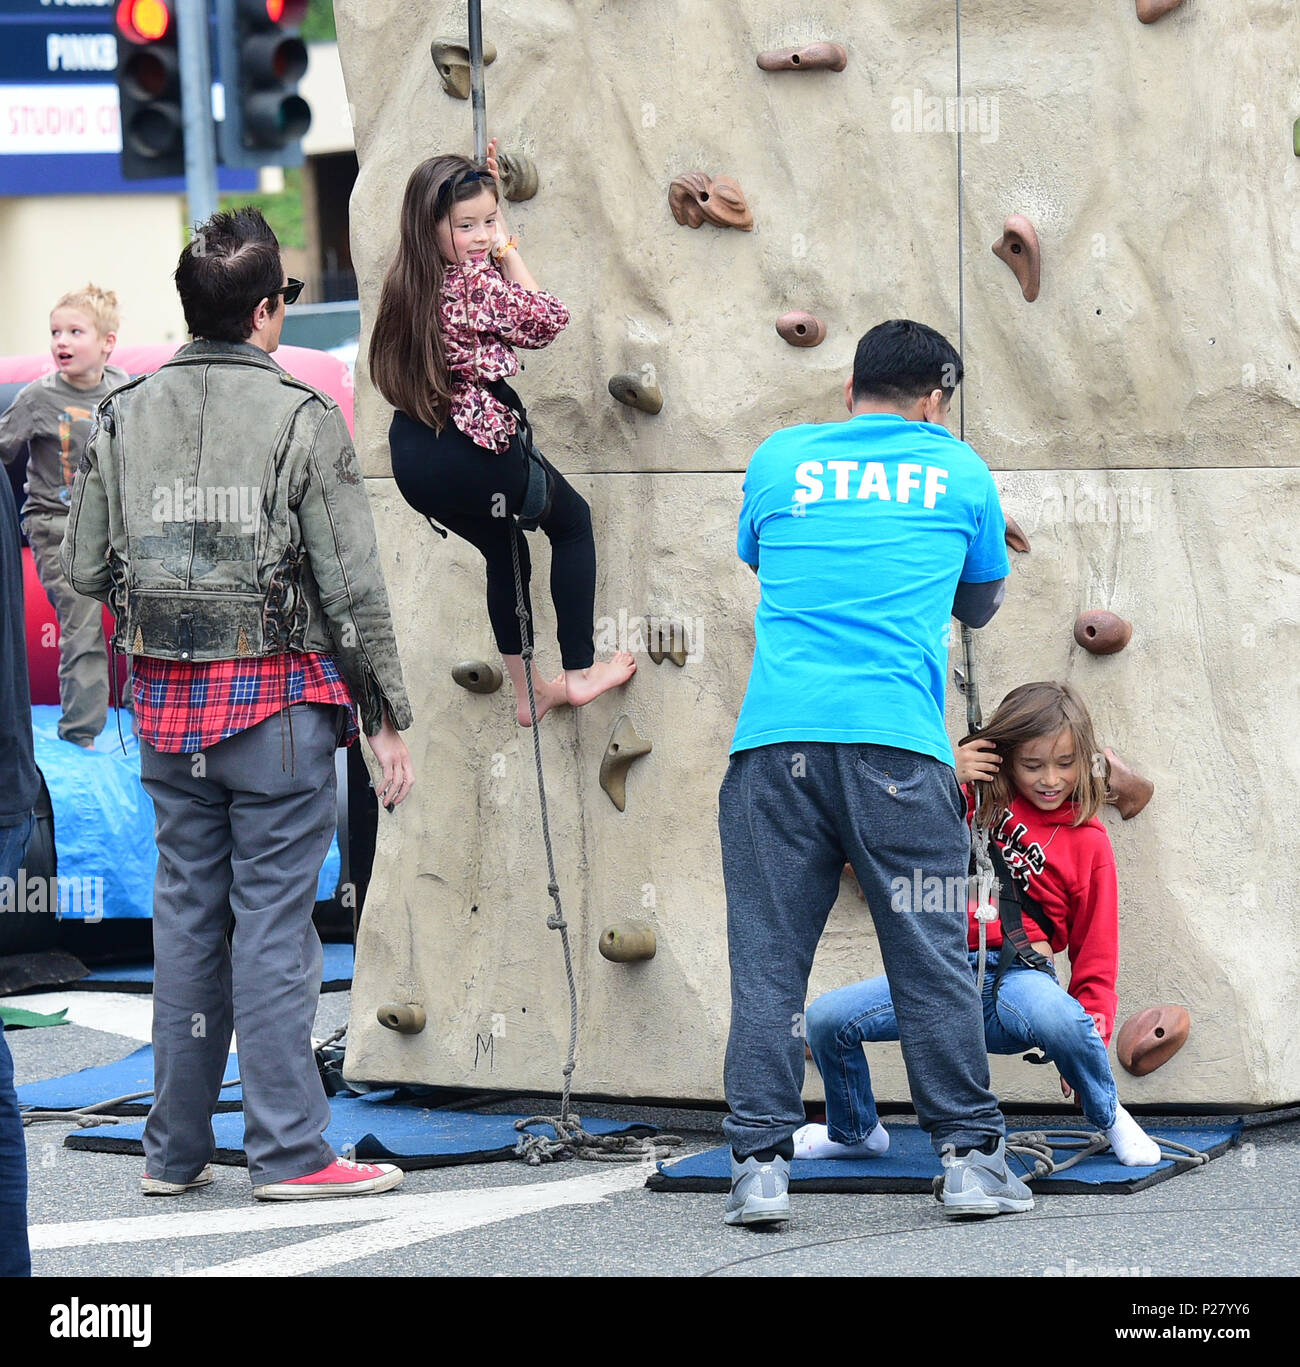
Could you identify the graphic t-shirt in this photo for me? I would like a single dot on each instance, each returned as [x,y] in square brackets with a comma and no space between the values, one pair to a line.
[861,531]
[51,421]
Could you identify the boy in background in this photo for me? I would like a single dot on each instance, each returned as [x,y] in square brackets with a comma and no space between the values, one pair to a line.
[50,420]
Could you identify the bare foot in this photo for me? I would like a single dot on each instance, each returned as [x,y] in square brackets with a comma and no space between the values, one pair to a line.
[582,685]
[545,694]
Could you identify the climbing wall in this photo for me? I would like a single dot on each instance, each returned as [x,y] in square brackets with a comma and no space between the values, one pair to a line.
[1139,415]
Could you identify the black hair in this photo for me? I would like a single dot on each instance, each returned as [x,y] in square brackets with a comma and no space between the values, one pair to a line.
[227,269]
[901,361]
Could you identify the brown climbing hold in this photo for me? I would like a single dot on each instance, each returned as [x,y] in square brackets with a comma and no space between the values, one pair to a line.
[1014,537]
[628,943]
[1102,633]
[477,676]
[695,196]
[1151,1038]
[801,329]
[666,639]
[1151,10]
[1126,789]
[624,747]
[631,389]
[451,57]
[813,57]
[518,175]
[407,1018]
[1018,247]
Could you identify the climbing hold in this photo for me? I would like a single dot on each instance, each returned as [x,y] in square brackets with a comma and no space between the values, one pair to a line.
[518,175]
[451,57]
[695,196]
[853,881]
[628,943]
[1018,247]
[813,57]
[407,1018]
[801,329]
[1126,789]
[1151,1038]
[631,389]
[1102,633]
[1014,537]
[624,747]
[1151,10]
[477,676]
[666,638]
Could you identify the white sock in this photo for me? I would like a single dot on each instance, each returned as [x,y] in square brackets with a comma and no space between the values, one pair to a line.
[1133,1147]
[814,1141]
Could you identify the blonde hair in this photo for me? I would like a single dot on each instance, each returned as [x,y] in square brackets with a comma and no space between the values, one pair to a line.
[1025,714]
[100,306]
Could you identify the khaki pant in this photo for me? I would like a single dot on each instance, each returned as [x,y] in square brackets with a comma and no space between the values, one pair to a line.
[83,657]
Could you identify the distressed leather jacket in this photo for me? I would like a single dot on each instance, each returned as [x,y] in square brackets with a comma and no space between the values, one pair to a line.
[219,511]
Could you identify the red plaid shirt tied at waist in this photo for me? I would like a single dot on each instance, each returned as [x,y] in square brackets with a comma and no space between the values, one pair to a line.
[182,707]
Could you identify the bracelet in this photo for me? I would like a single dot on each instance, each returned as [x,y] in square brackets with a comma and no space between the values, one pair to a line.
[507,247]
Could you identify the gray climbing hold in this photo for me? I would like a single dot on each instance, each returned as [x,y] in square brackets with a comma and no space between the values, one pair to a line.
[518,175]
[477,676]
[451,57]
[624,747]
[631,389]
[628,942]
[407,1018]
[666,639]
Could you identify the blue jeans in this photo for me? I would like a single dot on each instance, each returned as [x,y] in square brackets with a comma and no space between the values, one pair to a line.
[1033,1011]
[15,1258]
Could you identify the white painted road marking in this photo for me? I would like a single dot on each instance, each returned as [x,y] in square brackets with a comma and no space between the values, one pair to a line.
[118,1013]
[387,1221]
[448,1212]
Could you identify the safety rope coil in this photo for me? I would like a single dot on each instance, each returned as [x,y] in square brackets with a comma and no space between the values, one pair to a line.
[571,1140]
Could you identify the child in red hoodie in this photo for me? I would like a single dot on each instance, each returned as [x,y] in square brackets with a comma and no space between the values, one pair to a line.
[1041,782]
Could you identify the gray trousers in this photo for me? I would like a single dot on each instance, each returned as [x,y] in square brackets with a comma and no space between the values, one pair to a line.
[238,837]
[790,815]
[83,655]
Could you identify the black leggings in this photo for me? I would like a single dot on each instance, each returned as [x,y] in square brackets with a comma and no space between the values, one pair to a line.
[474,492]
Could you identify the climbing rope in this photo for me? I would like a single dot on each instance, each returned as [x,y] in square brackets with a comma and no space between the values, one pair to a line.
[571,1140]
[986,882]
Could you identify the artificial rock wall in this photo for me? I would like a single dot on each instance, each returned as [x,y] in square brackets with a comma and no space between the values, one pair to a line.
[1139,415]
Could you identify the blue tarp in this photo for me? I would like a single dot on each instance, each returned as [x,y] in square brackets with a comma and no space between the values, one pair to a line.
[103,822]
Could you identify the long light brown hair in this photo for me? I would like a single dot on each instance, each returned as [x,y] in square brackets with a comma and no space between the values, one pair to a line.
[407,359]
[1028,713]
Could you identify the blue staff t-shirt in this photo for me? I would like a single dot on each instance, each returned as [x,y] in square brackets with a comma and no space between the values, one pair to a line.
[861,531]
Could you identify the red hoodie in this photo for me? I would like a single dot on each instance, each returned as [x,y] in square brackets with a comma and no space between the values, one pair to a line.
[1070,871]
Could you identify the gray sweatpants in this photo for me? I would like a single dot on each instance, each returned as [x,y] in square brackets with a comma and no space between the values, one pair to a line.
[238,837]
[790,815]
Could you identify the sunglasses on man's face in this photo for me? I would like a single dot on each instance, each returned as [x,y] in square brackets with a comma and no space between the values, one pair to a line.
[291,291]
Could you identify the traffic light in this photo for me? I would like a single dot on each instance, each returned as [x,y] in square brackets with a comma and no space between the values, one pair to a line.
[262,61]
[149,90]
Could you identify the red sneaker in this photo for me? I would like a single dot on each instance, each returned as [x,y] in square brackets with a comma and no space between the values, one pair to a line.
[343,1177]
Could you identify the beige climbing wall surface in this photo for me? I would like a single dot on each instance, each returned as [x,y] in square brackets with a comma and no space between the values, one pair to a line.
[1139,415]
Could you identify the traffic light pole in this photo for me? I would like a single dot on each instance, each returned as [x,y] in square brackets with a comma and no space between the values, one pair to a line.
[192,34]
[476,81]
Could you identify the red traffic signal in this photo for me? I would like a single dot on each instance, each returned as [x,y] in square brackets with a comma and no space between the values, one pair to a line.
[145,21]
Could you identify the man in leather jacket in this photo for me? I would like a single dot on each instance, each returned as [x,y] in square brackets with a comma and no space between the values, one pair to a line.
[220,511]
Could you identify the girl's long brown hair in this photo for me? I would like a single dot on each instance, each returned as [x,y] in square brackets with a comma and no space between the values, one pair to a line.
[1027,713]
[407,359]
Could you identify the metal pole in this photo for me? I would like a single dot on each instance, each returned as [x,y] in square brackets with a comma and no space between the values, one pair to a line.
[193,40]
[476,81]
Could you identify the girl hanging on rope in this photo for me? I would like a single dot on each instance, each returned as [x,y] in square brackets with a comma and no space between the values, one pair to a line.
[455,301]
[1043,781]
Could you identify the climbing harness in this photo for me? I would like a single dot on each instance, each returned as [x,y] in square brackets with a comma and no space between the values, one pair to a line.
[571,1140]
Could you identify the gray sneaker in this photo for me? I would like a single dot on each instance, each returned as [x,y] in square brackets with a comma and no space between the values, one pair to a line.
[760,1192]
[981,1184]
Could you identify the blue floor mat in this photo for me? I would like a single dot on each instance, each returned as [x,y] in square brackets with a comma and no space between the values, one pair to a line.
[338,963]
[373,1128]
[90,1085]
[911,1166]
